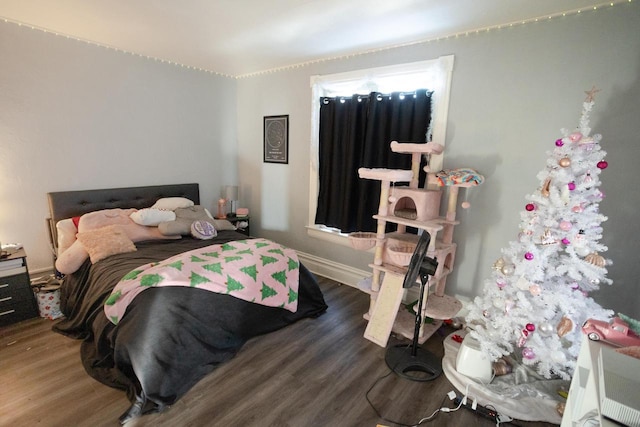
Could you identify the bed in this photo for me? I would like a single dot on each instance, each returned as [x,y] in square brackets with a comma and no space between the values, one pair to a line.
[172,336]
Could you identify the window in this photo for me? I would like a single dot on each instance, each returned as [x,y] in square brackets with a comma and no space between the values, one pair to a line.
[434,75]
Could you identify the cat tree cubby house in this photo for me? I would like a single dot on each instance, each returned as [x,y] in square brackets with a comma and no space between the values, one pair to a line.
[411,206]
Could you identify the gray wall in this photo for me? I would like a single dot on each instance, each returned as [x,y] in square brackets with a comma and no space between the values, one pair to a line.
[76,116]
[513,90]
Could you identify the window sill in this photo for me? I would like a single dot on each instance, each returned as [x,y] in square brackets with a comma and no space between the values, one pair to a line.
[329,235]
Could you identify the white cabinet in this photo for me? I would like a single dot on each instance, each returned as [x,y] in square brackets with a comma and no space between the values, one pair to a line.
[583,406]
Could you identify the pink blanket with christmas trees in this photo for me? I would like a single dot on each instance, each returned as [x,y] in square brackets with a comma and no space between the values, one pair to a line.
[254,270]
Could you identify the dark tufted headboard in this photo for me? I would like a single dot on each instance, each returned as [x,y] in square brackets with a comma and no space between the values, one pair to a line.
[67,204]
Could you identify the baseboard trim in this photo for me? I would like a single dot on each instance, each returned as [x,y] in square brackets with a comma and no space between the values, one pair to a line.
[333,270]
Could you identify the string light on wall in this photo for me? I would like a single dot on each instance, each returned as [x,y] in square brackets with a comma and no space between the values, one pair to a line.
[456,35]
[465,33]
[116,49]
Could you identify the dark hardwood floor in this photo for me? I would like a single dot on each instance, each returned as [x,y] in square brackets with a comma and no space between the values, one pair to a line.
[313,373]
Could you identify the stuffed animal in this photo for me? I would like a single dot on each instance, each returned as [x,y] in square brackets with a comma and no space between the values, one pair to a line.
[103,233]
[181,226]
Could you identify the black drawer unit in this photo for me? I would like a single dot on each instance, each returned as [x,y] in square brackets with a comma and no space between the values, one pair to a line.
[241,222]
[17,301]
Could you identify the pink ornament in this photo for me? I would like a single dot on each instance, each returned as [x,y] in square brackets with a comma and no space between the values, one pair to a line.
[528,353]
[522,341]
[530,327]
[465,205]
[572,186]
[565,241]
[577,208]
[501,283]
[559,143]
[530,207]
[535,290]
[528,256]
[525,333]
[565,225]
[575,137]
[602,164]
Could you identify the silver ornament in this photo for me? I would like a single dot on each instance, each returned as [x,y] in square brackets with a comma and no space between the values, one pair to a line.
[558,356]
[582,250]
[545,329]
[508,269]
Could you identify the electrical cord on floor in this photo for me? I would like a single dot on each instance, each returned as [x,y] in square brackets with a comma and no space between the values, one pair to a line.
[423,420]
[502,419]
[442,408]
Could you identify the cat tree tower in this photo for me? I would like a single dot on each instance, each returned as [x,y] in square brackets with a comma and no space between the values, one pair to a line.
[411,206]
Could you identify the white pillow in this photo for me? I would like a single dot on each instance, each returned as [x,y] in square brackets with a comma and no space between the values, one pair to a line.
[152,217]
[172,203]
[67,231]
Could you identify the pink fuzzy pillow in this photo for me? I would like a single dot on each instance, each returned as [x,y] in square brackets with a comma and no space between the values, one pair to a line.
[70,260]
[106,241]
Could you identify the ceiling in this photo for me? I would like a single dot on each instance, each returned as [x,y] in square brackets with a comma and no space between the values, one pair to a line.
[244,37]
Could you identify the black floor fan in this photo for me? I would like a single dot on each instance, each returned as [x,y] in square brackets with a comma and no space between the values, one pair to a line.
[415,363]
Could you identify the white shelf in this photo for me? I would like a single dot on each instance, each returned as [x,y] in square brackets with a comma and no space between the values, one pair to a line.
[583,403]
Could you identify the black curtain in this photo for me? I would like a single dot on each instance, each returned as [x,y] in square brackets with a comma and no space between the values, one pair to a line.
[356,132]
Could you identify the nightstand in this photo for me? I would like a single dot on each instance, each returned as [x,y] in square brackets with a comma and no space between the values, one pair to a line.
[17,301]
[239,222]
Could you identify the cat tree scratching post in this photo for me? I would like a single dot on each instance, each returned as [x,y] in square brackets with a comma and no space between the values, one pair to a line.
[416,151]
[411,206]
[385,176]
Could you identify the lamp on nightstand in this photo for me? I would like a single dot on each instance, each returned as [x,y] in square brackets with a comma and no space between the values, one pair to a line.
[231,195]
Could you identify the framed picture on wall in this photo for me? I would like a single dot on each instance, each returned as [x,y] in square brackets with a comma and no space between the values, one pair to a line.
[276,139]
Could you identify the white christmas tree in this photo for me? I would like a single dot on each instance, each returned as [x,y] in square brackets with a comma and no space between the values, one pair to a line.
[536,300]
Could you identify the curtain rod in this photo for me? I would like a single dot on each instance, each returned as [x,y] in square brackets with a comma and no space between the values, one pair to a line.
[379,96]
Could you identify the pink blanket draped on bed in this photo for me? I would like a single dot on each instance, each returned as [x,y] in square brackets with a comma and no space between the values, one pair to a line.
[254,270]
